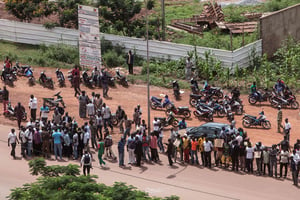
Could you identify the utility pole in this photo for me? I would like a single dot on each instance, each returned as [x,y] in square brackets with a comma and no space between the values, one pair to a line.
[148,80]
[163,20]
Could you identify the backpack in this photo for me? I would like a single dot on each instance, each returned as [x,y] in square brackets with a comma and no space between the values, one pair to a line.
[87,159]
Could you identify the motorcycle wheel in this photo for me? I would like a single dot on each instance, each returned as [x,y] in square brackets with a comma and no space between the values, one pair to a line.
[187,114]
[125,83]
[196,114]
[219,94]
[266,124]
[221,113]
[239,110]
[193,102]
[61,110]
[274,104]
[252,100]
[114,121]
[246,123]
[175,123]
[153,106]
[210,118]
[168,112]
[295,105]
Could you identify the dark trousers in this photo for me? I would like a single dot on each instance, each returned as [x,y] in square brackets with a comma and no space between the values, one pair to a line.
[235,163]
[249,165]
[86,168]
[13,148]
[77,91]
[33,114]
[107,122]
[99,129]
[202,158]
[295,174]
[130,68]
[268,166]
[154,155]
[19,120]
[170,159]
[23,149]
[138,159]
[207,159]
[285,165]
[105,90]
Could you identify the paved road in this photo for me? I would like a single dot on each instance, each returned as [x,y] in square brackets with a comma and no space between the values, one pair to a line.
[188,182]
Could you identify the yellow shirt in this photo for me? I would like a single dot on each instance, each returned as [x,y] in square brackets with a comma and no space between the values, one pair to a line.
[185,143]
[200,141]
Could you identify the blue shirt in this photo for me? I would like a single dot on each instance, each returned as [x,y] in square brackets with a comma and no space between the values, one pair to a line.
[56,136]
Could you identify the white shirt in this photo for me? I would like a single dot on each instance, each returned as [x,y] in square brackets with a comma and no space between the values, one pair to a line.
[156,125]
[239,139]
[287,126]
[207,146]
[106,112]
[12,137]
[86,137]
[33,103]
[90,109]
[23,137]
[29,135]
[75,139]
[249,152]
[99,120]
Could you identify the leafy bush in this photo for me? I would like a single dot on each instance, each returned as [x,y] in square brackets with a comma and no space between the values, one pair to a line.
[61,53]
[112,59]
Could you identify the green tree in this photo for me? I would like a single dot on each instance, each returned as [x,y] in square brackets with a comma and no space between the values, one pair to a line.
[26,10]
[119,13]
[64,182]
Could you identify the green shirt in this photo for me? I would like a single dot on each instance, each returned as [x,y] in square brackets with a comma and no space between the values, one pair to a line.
[253,88]
[101,148]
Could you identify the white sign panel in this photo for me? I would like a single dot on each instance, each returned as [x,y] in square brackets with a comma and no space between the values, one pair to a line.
[89,36]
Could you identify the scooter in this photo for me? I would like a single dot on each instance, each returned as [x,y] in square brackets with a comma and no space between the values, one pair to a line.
[185,111]
[156,103]
[60,77]
[121,79]
[10,113]
[46,81]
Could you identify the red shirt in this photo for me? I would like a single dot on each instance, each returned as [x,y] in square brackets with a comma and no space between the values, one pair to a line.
[75,71]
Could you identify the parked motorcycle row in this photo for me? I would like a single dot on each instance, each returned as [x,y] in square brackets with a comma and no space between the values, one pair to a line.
[9,76]
[285,101]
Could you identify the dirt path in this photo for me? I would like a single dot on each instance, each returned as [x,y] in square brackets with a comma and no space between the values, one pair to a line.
[129,97]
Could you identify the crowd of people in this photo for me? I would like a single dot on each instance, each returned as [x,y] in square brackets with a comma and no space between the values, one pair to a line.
[62,136]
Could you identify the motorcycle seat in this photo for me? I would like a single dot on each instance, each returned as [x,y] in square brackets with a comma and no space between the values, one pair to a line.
[250,116]
[183,107]
[195,96]
[161,118]
[48,99]
[156,99]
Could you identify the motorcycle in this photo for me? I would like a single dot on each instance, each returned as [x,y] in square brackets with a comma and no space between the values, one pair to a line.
[167,122]
[194,98]
[249,120]
[8,77]
[156,103]
[46,81]
[217,108]
[214,92]
[237,107]
[31,80]
[185,111]
[122,80]
[22,70]
[228,112]
[281,101]
[261,97]
[204,112]
[114,120]
[70,77]
[60,77]
[111,80]
[1,95]
[55,103]
[10,113]
[87,80]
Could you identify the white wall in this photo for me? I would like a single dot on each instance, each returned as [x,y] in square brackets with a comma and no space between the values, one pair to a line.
[36,34]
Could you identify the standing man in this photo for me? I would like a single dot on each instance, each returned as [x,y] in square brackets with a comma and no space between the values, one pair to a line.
[19,112]
[86,161]
[5,95]
[57,143]
[131,148]
[46,142]
[188,68]
[208,146]
[33,107]
[279,119]
[138,151]
[120,114]
[83,101]
[44,111]
[101,152]
[273,160]
[104,83]
[287,129]
[22,138]
[12,139]
[121,146]
[130,59]
[106,117]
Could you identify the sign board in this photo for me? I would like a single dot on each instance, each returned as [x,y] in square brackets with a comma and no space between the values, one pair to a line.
[219,143]
[89,36]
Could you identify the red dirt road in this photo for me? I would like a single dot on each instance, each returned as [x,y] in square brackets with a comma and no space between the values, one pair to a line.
[188,182]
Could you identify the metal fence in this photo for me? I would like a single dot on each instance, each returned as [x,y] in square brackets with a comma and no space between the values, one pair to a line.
[36,34]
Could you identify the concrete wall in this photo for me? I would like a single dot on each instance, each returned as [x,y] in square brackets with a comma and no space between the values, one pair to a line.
[277,27]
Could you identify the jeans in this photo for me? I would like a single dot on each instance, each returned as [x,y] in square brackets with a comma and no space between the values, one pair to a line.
[75,151]
[146,153]
[29,148]
[160,144]
[285,165]
[273,165]
[13,152]
[57,147]
[121,158]
[194,154]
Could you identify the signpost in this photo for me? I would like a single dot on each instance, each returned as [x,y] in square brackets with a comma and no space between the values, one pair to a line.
[89,36]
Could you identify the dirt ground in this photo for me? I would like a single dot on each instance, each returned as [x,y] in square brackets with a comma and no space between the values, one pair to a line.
[130,97]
